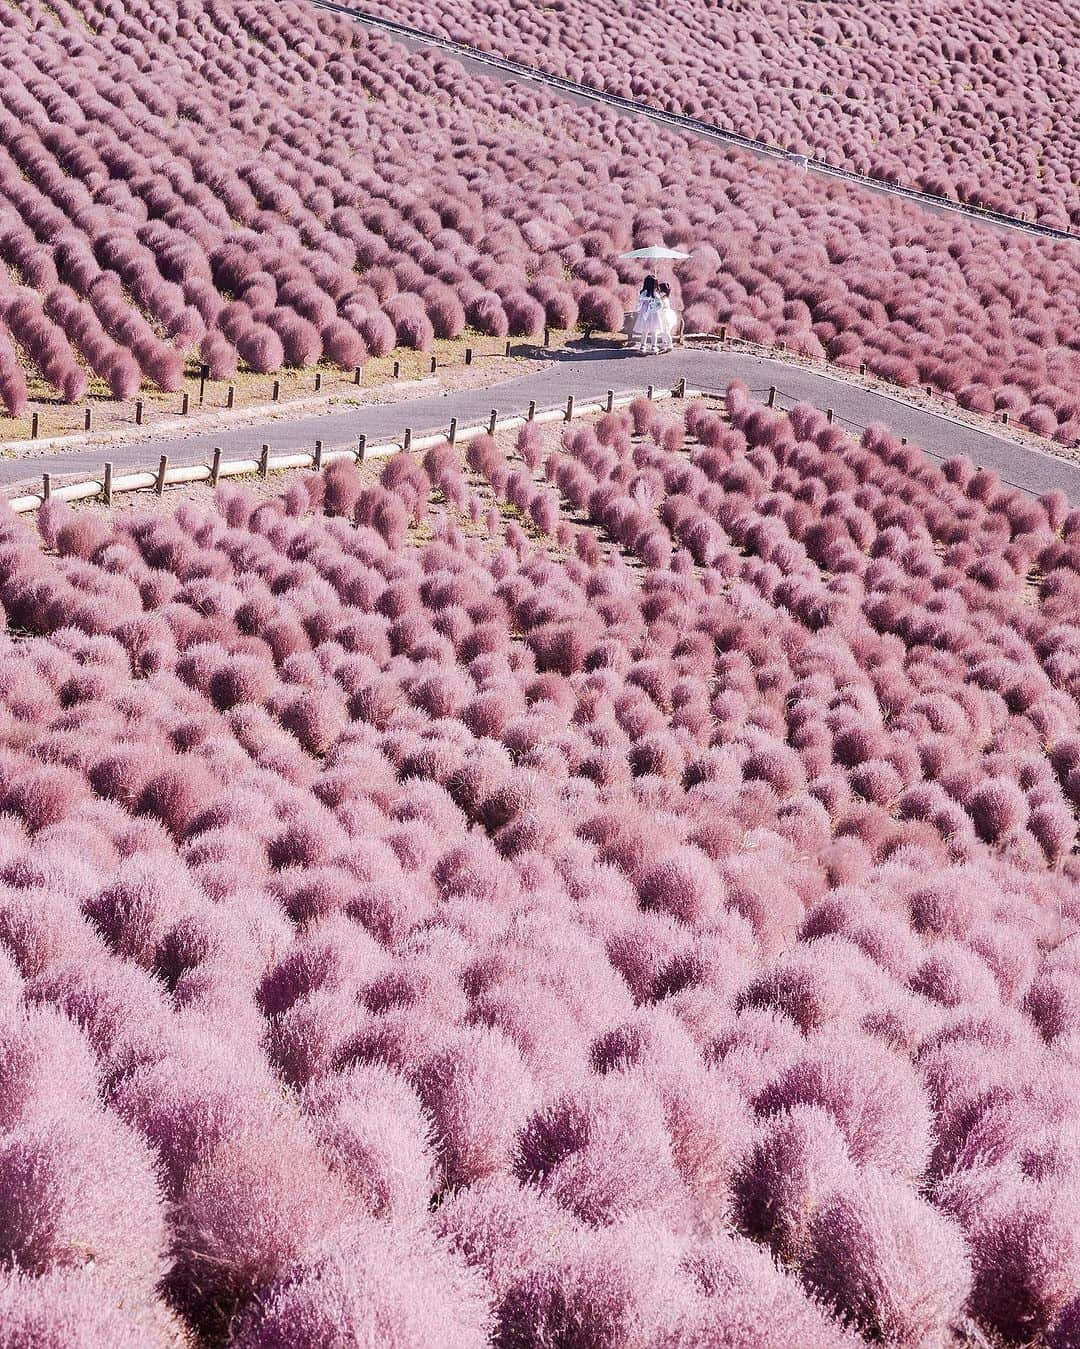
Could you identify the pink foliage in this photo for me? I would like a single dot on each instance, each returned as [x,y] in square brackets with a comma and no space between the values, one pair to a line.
[452,933]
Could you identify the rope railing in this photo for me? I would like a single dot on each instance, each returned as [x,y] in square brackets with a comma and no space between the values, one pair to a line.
[109,483]
[708,130]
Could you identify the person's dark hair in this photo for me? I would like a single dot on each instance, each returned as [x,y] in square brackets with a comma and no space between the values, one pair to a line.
[664,288]
[648,286]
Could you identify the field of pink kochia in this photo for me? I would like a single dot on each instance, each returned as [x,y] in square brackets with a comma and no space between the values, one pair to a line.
[425,923]
[965,101]
[264,185]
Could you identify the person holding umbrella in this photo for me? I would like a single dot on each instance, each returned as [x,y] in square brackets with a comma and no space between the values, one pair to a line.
[654,319]
[647,319]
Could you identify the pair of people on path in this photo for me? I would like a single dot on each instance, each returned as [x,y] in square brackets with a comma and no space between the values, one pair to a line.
[656,319]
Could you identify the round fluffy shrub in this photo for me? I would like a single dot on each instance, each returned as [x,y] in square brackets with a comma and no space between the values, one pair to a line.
[888,1261]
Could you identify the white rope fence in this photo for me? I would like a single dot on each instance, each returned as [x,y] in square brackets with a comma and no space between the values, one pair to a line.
[109,484]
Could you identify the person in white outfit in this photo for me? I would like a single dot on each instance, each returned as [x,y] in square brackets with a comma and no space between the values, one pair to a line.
[647,323]
[667,318]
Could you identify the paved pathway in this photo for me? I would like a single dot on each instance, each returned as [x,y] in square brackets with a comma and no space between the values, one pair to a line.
[507,70]
[586,374]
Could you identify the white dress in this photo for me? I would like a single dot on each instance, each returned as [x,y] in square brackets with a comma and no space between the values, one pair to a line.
[668,321]
[647,324]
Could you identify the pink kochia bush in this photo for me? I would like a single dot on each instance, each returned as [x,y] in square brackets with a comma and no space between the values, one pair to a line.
[332,195]
[898,99]
[419,938]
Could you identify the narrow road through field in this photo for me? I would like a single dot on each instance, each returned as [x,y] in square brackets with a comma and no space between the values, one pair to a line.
[586,374]
[507,71]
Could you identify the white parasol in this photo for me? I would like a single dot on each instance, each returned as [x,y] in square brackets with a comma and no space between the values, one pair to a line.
[657,251]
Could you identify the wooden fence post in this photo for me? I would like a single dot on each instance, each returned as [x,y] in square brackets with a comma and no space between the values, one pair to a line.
[275,391]
[163,464]
[649,393]
[434,364]
[88,418]
[361,448]
[406,443]
[138,412]
[680,388]
[318,381]
[492,420]
[106,485]
[569,414]
[468,355]
[397,369]
[230,397]
[358,374]
[451,435]
[829,415]
[772,396]
[46,486]
[264,461]
[204,375]
[35,423]
[507,347]
[610,402]
[316,458]
[532,410]
[215,466]
[185,405]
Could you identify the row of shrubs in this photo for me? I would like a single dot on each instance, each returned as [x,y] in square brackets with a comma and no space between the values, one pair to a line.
[646,923]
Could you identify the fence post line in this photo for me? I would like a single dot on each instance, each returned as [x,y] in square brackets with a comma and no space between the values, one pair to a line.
[569,415]
[361,448]
[46,486]
[451,435]
[106,484]
[772,395]
[35,424]
[316,458]
[215,466]
[264,461]
[492,420]
[163,464]
[532,410]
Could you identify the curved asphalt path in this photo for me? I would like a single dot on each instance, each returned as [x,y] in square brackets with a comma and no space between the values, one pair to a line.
[587,374]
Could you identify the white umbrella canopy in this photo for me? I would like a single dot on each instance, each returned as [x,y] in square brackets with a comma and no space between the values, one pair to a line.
[657,252]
